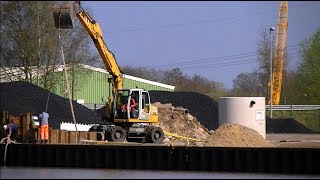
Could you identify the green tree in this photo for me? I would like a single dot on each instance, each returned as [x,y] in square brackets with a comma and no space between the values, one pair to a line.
[288,92]
[308,71]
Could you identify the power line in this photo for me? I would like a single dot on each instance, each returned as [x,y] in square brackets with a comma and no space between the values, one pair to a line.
[210,59]
[240,62]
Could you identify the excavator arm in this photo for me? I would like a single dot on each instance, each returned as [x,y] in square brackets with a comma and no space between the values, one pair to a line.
[63,16]
[109,61]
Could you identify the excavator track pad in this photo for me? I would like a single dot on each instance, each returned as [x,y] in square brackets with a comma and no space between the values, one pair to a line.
[64,15]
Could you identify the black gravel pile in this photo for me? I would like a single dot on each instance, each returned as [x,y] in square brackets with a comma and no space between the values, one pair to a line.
[204,108]
[21,97]
[289,125]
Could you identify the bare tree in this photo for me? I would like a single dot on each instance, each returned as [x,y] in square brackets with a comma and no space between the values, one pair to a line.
[264,48]
[248,84]
[29,42]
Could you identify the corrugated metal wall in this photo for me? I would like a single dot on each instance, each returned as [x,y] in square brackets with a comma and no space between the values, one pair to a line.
[91,86]
[149,157]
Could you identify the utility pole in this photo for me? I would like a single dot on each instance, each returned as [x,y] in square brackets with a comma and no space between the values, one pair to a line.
[271,69]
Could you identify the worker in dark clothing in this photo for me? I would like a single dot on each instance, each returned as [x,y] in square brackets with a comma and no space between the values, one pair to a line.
[11,130]
[44,127]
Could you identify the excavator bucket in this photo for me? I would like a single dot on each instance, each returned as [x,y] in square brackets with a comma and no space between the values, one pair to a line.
[64,15]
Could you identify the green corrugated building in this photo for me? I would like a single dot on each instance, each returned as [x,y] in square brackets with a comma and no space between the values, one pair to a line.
[89,85]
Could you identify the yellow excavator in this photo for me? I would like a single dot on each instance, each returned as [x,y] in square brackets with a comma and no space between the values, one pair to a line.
[123,122]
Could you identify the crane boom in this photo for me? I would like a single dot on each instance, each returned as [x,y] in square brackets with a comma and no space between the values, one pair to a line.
[279,52]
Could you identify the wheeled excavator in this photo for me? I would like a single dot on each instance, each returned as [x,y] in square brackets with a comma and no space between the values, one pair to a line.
[120,124]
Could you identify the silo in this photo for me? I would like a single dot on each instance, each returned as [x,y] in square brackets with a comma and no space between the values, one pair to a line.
[246,111]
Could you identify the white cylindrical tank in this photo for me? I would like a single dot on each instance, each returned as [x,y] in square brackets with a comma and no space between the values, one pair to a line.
[246,111]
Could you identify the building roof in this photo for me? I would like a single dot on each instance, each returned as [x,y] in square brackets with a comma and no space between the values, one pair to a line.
[8,74]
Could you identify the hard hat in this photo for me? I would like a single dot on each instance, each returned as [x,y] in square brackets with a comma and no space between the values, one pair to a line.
[5,127]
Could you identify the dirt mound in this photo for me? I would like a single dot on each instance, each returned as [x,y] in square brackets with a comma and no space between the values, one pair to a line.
[179,122]
[173,120]
[234,135]
[21,97]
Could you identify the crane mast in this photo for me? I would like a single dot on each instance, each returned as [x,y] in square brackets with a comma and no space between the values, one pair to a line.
[279,54]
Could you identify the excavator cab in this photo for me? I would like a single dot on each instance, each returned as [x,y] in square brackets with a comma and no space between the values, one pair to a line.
[131,105]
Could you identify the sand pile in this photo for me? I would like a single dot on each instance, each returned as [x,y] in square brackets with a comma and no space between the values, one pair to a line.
[234,135]
[227,135]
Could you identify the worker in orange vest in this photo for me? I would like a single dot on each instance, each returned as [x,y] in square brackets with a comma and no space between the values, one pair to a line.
[44,127]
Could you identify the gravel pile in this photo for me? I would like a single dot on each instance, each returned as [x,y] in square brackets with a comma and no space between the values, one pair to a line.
[204,108]
[21,97]
[287,125]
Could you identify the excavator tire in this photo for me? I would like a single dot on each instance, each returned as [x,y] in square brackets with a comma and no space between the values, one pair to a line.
[117,134]
[64,15]
[155,135]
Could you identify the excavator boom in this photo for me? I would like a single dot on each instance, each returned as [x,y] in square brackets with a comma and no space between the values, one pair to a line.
[63,17]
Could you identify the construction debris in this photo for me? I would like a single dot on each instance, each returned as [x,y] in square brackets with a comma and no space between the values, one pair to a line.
[187,128]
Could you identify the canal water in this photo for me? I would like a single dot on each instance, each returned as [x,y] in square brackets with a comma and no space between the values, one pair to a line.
[77,173]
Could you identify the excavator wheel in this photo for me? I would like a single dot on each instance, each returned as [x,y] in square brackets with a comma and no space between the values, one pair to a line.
[64,15]
[155,135]
[117,134]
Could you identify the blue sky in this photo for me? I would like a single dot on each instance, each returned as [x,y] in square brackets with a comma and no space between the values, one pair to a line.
[208,38]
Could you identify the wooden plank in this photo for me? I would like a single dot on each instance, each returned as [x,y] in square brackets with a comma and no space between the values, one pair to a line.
[72,137]
[54,136]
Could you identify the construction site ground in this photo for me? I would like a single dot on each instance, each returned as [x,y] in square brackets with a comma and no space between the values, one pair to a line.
[294,140]
[196,127]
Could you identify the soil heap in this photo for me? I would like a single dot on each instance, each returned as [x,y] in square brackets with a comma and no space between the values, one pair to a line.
[227,135]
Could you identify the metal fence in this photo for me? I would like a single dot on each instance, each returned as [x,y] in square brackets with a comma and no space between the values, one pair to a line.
[293,107]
